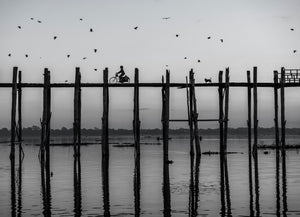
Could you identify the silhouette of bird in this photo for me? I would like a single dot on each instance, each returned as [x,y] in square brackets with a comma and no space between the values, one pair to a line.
[166,18]
[221,40]
[292,29]
[19,27]
[91,30]
[95,50]
[185,58]
[26,55]
[95,69]
[177,35]
[84,58]
[136,27]
[9,54]
[32,18]
[208,37]
[170,161]
[39,21]
[198,61]
[55,37]
[80,19]
[68,55]
[295,51]
[66,81]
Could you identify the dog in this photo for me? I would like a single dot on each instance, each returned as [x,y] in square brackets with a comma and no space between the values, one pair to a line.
[207,80]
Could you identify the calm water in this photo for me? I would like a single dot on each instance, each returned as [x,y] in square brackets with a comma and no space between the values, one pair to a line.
[183,193]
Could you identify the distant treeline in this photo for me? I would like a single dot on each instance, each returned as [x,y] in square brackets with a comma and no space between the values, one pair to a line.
[36,131]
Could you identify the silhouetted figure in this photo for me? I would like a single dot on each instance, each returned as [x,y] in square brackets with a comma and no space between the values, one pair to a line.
[19,27]
[207,80]
[208,37]
[121,75]
[91,30]
[55,37]
[136,27]
[95,50]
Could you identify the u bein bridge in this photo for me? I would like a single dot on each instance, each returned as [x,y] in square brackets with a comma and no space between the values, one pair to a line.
[284,79]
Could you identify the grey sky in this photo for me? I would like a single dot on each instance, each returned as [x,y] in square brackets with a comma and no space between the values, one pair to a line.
[255,33]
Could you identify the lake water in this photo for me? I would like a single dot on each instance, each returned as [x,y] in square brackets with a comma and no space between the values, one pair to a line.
[182,193]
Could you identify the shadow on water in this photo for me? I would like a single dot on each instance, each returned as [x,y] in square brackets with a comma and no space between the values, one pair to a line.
[105,185]
[166,190]
[194,186]
[137,186]
[77,187]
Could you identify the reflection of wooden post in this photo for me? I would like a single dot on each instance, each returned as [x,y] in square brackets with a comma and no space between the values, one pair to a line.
[13,113]
[105,149]
[249,143]
[166,107]
[194,114]
[77,113]
[136,114]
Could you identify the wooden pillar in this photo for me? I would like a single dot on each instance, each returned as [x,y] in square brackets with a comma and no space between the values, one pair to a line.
[255,141]
[105,148]
[136,114]
[77,113]
[226,108]
[20,107]
[189,93]
[194,114]
[13,113]
[249,86]
[166,107]
[221,119]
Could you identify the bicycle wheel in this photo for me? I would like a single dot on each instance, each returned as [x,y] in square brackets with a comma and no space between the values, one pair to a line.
[113,80]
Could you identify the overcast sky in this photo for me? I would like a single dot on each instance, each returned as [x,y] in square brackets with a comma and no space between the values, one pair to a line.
[254,33]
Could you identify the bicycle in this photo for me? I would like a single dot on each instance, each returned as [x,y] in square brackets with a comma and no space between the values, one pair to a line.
[116,79]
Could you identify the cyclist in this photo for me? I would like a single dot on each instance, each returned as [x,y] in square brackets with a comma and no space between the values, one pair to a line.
[121,75]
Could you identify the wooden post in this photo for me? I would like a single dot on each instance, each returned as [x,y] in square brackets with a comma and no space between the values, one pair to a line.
[136,114]
[105,148]
[13,113]
[194,114]
[226,108]
[283,153]
[221,119]
[20,108]
[77,113]
[255,141]
[166,107]
[250,143]
[191,113]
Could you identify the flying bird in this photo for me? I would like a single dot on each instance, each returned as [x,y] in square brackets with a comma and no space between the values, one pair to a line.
[84,58]
[91,30]
[26,55]
[39,21]
[9,54]
[95,50]
[19,27]
[66,81]
[68,55]
[221,40]
[136,27]
[295,51]
[166,18]
[198,61]
[292,29]
[80,19]
[96,70]
[185,58]
[177,35]
[208,37]
[32,18]
[55,37]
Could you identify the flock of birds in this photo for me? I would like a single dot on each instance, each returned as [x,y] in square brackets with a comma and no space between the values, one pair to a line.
[55,37]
